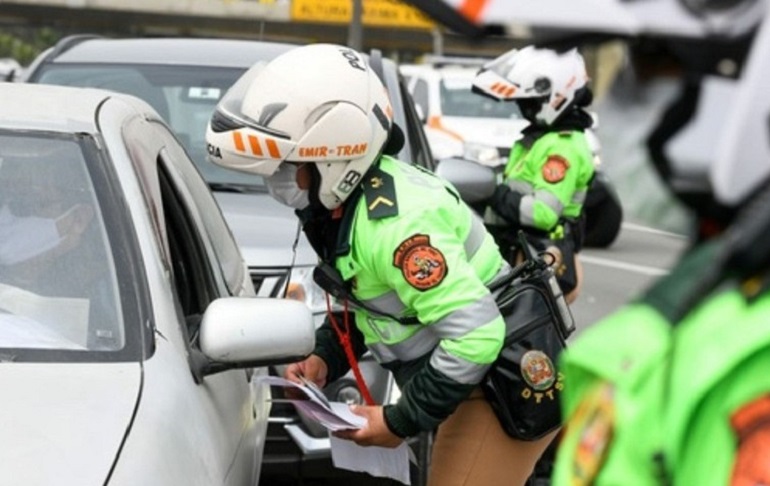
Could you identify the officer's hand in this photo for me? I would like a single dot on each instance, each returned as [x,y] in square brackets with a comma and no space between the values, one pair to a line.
[374,433]
[312,368]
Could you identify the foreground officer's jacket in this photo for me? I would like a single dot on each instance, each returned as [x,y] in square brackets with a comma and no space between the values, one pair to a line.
[412,248]
[653,399]
[548,178]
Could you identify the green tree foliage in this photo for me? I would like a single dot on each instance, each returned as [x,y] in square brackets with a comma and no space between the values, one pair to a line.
[24,46]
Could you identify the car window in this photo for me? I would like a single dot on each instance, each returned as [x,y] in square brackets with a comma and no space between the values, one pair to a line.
[59,280]
[457,99]
[420,96]
[184,96]
[197,195]
[192,257]
[416,135]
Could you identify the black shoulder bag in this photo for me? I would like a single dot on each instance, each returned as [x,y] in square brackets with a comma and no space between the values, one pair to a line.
[523,385]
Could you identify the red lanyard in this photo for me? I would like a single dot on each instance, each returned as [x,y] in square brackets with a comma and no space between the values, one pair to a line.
[344,337]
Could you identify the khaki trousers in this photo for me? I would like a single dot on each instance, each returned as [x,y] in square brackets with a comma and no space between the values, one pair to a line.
[471,449]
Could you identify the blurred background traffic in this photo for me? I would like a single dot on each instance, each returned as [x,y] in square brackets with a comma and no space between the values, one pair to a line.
[626,106]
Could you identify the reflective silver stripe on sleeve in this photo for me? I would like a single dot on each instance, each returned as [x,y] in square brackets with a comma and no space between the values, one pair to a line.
[460,322]
[527,211]
[475,237]
[579,197]
[456,368]
[522,187]
[527,206]
[387,303]
[549,199]
[420,344]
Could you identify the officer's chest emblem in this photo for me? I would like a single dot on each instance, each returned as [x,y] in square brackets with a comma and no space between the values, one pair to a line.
[555,168]
[422,265]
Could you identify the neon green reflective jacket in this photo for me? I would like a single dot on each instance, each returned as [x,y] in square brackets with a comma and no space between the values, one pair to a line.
[414,249]
[552,176]
[649,402]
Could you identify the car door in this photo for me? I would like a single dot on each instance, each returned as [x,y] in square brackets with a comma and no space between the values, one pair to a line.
[237,389]
[201,430]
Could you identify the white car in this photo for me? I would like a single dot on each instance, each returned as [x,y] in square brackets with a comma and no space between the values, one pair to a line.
[458,122]
[130,334]
[183,79]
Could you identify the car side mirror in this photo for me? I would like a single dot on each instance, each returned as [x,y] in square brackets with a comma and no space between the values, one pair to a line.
[242,332]
[474,182]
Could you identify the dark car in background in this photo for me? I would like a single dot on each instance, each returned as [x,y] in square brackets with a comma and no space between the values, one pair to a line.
[183,79]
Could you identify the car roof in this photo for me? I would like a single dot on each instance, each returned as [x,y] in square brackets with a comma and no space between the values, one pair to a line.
[171,50]
[51,108]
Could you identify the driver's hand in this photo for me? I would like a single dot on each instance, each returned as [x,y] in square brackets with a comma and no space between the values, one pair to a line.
[72,224]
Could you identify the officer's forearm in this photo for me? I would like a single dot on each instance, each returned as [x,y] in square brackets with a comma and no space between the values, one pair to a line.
[426,401]
[506,203]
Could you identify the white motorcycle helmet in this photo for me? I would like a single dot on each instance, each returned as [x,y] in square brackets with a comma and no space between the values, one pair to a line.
[543,82]
[319,104]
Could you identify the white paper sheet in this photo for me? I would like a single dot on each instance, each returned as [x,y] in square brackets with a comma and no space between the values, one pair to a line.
[377,461]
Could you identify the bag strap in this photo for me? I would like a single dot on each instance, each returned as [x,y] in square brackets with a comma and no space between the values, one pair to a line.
[329,278]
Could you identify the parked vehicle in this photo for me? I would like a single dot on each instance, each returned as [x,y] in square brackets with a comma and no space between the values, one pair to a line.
[129,326]
[461,124]
[184,79]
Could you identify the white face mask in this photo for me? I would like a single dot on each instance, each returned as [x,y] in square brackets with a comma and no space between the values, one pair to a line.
[22,239]
[283,187]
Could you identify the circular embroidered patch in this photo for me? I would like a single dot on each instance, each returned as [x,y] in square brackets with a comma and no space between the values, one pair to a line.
[422,265]
[538,370]
[555,168]
[751,424]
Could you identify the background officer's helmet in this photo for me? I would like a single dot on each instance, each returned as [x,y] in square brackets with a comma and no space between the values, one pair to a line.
[544,83]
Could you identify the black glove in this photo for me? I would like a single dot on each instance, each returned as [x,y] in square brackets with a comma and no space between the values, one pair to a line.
[506,202]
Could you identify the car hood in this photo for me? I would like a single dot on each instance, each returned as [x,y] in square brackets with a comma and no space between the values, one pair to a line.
[63,423]
[265,230]
[494,132]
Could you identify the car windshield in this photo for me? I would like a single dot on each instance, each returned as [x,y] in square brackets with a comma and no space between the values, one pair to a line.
[58,279]
[184,96]
[457,99]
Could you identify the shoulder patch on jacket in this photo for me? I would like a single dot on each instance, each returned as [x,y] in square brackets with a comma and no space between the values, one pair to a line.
[380,193]
[751,424]
[422,265]
[555,168]
[594,422]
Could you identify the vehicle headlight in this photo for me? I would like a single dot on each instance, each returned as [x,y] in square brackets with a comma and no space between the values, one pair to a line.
[348,393]
[483,154]
[303,288]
